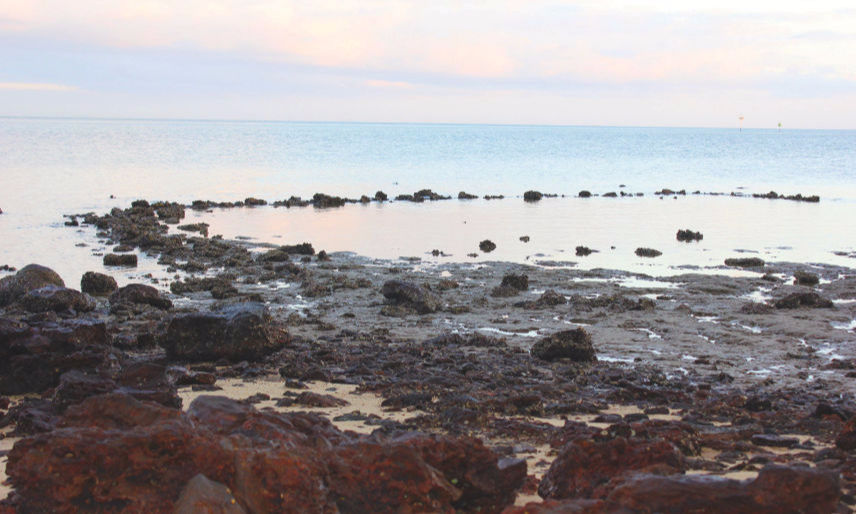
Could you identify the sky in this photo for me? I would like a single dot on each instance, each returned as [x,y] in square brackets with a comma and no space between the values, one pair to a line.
[589,62]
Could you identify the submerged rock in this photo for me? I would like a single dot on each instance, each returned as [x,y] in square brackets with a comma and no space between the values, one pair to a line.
[410,295]
[28,278]
[243,331]
[583,251]
[568,344]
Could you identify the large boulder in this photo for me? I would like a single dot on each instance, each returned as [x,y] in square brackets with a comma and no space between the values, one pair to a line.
[585,467]
[202,495]
[567,344]
[410,295]
[242,331]
[56,299]
[28,278]
[97,284]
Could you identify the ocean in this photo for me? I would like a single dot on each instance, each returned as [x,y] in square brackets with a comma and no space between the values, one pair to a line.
[52,167]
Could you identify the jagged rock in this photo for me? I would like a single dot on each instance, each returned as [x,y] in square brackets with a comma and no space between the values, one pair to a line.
[519,282]
[242,331]
[28,278]
[466,196]
[583,251]
[410,295]
[97,284]
[568,344]
[202,495]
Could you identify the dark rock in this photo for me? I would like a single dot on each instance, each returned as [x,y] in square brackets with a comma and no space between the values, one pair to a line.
[532,196]
[504,292]
[148,381]
[410,295]
[466,196]
[648,252]
[688,236]
[584,194]
[525,239]
[775,441]
[806,299]
[585,468]
[380,196]
[568,344]
[76,386]
[202,495]
[487,246]
[745,262]
[128,259]
[309,399]
[582,251]
[202,228]
[803,278]
[97,284]
[242,331]
[299,249]
[56,299]
[611,194]
[28,278]
[132,296]
[322,201]
[519,282]
[254,202]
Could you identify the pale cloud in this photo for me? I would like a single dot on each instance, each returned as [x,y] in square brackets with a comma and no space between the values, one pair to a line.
[35,86]
[397,84]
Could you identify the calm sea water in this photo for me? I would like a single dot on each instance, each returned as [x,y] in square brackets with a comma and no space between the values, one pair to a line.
[53,167]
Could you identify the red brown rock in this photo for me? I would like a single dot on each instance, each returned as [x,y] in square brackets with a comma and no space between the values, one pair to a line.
[585,467]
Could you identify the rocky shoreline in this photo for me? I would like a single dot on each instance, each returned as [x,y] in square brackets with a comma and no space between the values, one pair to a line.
[599,391]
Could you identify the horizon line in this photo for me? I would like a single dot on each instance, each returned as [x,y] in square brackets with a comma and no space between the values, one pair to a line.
[439,123]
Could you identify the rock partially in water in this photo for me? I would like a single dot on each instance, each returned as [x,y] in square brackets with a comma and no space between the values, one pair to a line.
[126,259]
[584,194]
[573,344]
[804,278]
[583,251]
[97,284]
[648,252]
[410,295]
[532,196]
[745,262]
[487,246]
[243,331]
[688,236]
[56,299]
[28,278]
[463,195]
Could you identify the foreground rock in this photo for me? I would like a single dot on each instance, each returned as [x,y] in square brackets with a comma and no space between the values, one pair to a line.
[28,278]
[242,331]
[141,457]
[568,344]
[135,297]
[410,295]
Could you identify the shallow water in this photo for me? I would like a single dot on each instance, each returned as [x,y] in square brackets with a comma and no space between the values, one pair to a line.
[52,167]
